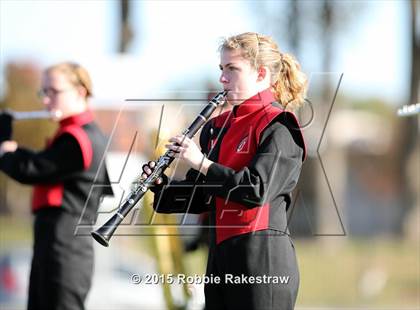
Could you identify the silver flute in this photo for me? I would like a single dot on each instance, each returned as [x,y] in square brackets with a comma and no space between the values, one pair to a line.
[26,115]
[408,110]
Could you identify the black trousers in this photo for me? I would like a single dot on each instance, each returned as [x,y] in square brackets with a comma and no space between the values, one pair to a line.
[62,264]
[265,258]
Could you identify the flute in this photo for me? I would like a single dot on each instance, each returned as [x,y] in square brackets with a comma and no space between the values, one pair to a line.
[26,115]
[408,110]
[105,232]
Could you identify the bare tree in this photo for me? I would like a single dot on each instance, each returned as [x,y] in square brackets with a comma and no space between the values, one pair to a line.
[415,51]
[126,32]
[408,135]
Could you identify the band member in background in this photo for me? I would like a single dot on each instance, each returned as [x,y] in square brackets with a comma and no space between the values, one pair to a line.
[247,165]
[62,174]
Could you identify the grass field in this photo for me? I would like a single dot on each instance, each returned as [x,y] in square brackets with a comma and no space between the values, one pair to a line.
[379,273]
[335,272]
[351,273]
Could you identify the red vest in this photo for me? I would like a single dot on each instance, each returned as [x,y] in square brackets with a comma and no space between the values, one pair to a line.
[238,148]
[50,195]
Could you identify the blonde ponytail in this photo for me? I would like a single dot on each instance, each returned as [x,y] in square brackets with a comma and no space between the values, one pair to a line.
[291,84]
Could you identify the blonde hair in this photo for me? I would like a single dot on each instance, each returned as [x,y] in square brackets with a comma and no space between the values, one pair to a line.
[288,82]
[76,74]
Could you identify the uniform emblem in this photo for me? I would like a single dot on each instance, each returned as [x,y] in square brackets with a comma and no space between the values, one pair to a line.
[241,144]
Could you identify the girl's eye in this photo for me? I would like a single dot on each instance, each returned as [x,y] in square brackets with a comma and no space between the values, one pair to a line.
[228,68]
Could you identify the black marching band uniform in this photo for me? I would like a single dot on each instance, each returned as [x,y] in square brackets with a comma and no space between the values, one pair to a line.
[258,151]
[64,196]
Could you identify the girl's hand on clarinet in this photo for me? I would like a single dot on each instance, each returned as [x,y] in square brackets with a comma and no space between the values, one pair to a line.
[186,149]
[8,146]
[148,169]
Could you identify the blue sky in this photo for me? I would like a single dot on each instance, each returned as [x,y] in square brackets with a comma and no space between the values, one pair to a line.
[179,42]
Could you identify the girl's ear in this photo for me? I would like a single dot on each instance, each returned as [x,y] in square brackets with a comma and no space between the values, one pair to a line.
[82,91]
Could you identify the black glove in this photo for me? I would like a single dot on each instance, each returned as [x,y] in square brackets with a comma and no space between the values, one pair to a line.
[5,126]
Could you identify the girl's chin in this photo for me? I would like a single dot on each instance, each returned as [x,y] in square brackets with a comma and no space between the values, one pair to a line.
[234,100]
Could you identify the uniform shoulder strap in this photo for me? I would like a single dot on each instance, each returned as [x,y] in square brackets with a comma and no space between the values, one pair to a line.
[274,113]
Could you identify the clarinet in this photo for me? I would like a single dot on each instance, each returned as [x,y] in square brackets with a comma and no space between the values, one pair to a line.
[105,232]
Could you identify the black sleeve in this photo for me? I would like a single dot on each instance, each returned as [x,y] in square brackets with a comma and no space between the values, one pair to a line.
[186,196]
[54,164]
[6,127]
[273,171]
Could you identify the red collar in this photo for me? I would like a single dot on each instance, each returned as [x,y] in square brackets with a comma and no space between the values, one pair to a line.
[254,103]
[78,119]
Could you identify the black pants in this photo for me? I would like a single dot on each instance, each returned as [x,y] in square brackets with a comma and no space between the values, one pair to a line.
[62,263]
[264,253]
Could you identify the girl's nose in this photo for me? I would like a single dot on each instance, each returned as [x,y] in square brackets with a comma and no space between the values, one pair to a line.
[46,100]
[222,79]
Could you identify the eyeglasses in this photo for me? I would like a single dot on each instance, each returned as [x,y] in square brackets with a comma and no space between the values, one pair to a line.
[51,92]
